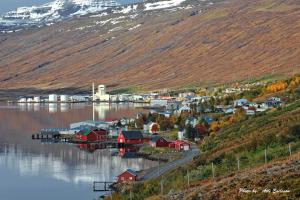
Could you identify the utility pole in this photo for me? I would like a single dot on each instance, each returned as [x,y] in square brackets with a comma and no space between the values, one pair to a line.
[188,178]
[93,111]
[130,195]
[158,167]
[212,169]
[161,187]
[266,156]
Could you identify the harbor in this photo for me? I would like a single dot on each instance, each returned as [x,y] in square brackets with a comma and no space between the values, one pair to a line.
[35,165]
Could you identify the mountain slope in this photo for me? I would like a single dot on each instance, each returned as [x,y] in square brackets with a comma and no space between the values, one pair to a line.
[194,43]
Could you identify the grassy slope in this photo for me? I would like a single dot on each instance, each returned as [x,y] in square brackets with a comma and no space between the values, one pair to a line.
[247,141]
[241,39]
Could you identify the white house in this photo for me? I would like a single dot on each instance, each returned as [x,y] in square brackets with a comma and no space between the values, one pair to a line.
[149,127]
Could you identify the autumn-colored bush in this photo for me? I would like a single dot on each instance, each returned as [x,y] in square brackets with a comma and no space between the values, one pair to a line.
[214,127]
[276,87]
[295,81]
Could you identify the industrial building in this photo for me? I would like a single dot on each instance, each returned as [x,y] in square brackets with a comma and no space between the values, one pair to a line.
[101,94]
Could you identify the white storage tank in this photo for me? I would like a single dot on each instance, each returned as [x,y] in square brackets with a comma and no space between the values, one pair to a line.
[37,99]
[64,98]
[52,97]
[29,100]
[22,100]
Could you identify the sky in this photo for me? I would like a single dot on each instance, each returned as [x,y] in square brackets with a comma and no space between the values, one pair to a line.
[8,5]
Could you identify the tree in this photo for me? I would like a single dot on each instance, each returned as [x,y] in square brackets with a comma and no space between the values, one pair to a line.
[151,117]
[295,131]
[295,82]
[190,132]
[181,119]
[214,127]
[201,130]
[240,114]
[201,108]
[155,128]
[139,123]
[165,123]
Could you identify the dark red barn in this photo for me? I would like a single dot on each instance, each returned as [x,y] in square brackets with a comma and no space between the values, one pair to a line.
[158,141]
[131,137]
[92,135]
[128,176]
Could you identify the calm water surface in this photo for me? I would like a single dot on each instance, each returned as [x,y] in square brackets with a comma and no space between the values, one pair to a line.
[31,170]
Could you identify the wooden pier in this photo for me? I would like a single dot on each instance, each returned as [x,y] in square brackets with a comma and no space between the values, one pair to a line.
[43,136]
[102,186]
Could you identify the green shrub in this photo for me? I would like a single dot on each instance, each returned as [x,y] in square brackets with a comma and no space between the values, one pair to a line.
[295,131]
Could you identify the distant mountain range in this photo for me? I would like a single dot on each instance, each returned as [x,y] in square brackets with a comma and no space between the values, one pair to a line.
[51,12]
[151,45]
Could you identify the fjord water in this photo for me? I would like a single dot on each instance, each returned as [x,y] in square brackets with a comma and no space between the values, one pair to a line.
[32,170]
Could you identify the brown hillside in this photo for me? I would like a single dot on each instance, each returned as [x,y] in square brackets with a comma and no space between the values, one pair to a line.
[274,181]
[229,41]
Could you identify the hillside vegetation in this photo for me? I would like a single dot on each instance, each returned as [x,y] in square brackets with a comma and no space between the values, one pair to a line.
[199,45]
[258,152]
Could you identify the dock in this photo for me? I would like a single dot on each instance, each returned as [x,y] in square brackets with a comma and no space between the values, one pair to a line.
[102,186]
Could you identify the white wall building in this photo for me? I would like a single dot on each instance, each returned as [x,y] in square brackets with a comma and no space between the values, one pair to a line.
[64,98]
[29,100]
[37,99]
[22,100]
[53,97]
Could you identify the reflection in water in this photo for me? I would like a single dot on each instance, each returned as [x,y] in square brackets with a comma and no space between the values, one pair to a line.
[52,107]
[64,107]
[100,110]
[59,171]
[36,107]
[68,165]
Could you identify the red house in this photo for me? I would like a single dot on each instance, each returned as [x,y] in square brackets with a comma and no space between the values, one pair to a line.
[92,135]
[131,137]
[172,145]
[181,145]
[128,176]
[158,141]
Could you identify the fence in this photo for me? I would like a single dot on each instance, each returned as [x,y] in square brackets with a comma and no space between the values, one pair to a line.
[231,164]
[220,167]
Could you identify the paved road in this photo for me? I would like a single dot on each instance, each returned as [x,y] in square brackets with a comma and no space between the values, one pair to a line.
[187,157]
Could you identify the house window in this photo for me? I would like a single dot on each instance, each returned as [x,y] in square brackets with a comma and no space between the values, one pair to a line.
[121,140]
[130,178]
[122,178]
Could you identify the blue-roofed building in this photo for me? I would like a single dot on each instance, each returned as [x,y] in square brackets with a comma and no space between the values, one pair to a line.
[208,119]
[240,102]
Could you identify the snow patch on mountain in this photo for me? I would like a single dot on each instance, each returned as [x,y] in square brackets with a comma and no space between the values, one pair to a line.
[50,13]
[162,4]
[56,10]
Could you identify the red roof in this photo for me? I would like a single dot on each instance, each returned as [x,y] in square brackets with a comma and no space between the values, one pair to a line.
[180,142]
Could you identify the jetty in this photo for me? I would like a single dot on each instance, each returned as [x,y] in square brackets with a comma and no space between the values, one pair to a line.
[103,186]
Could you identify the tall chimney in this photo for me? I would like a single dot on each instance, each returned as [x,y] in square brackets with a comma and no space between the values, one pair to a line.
[93,92]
